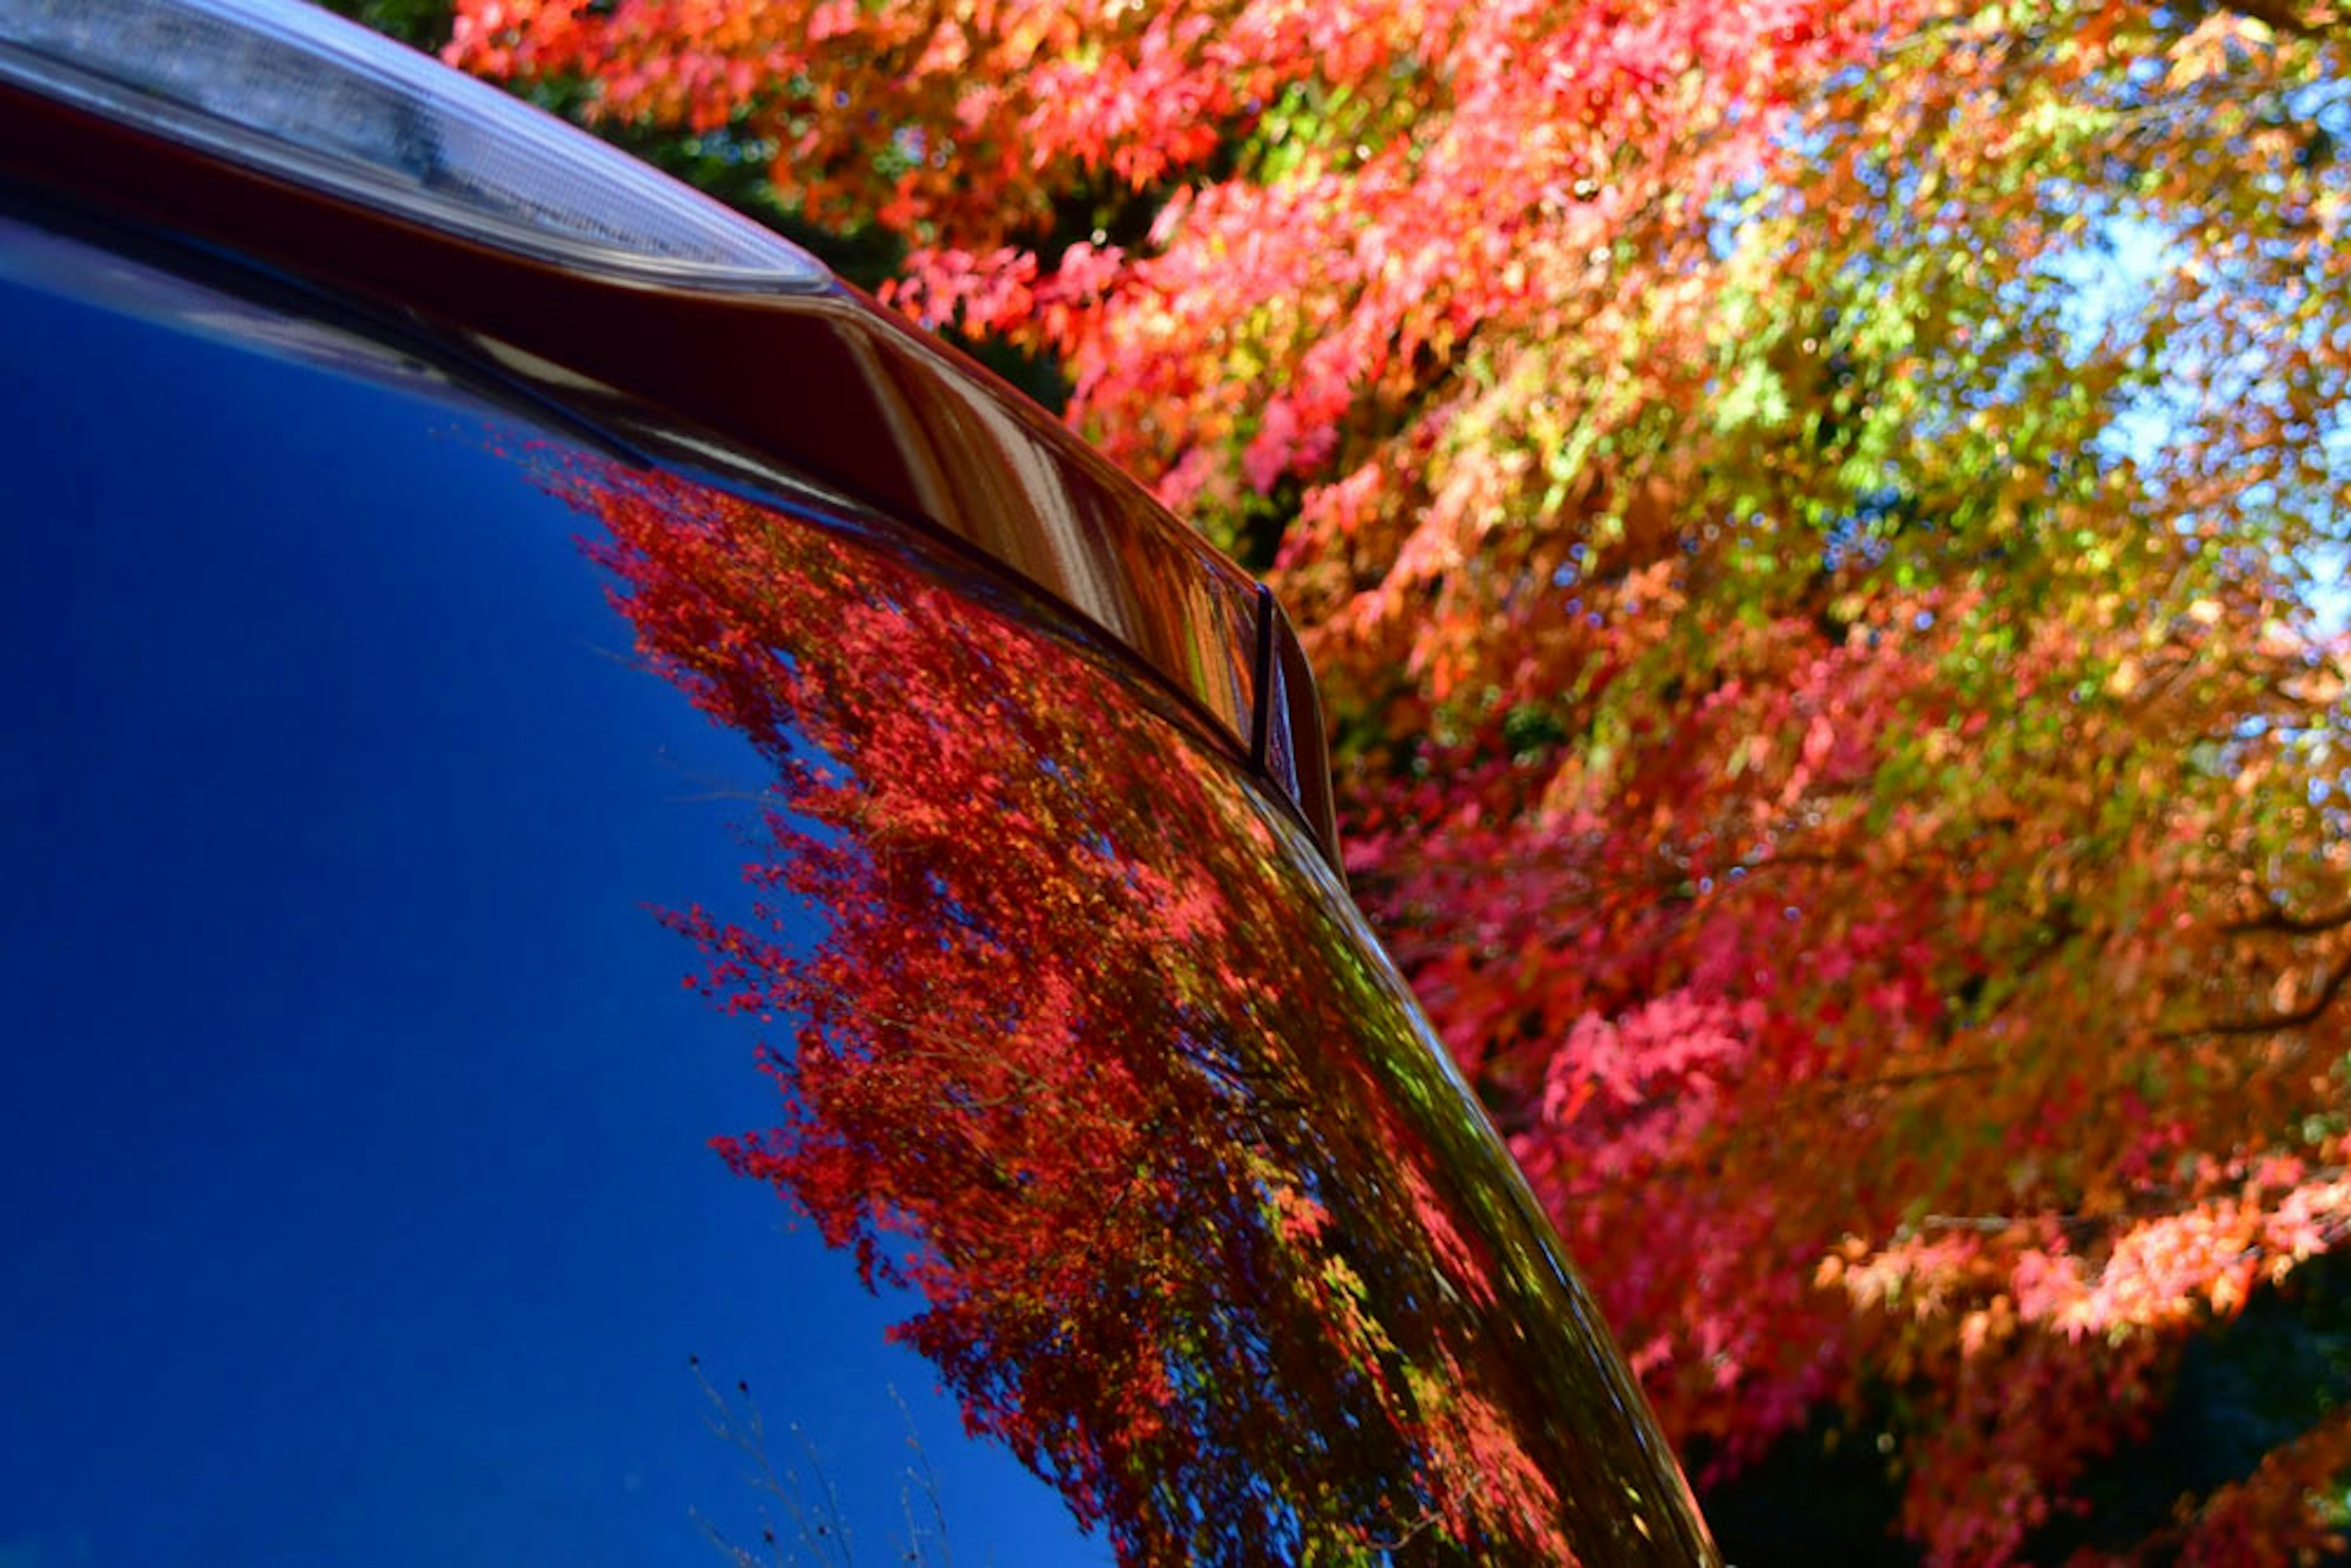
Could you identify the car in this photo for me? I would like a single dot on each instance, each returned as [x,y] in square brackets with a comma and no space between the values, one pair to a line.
[649,918]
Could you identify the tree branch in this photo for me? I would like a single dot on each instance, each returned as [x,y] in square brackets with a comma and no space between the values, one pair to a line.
[2274,1023]
[2277,919]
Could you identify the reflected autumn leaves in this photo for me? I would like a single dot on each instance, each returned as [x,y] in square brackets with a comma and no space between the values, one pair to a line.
[1067,1048]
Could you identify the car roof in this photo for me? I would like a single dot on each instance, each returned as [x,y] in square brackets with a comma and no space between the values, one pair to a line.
[811,375]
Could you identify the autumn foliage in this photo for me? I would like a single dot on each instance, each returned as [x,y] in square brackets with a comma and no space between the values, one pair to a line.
[1820,522]
[1080,1065]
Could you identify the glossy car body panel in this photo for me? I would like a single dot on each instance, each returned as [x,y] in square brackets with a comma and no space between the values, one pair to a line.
[400,710]
[1071,1034]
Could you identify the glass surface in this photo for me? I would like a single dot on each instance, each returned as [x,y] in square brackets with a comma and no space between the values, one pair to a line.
[377,1193]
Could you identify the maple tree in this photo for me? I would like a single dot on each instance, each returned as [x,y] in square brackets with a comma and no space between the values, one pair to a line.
[1817,519]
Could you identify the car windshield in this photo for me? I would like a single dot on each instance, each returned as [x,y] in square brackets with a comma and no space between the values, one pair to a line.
[564,1012]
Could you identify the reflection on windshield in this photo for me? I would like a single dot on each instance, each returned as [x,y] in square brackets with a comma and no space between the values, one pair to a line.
[1070,1049]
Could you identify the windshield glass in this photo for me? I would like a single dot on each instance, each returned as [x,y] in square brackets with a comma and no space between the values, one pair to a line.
[383,769]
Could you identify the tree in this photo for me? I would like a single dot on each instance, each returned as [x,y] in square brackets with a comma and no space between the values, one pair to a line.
[1817,522]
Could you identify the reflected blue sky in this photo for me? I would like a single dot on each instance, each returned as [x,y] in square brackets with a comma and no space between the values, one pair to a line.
[359,1206]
